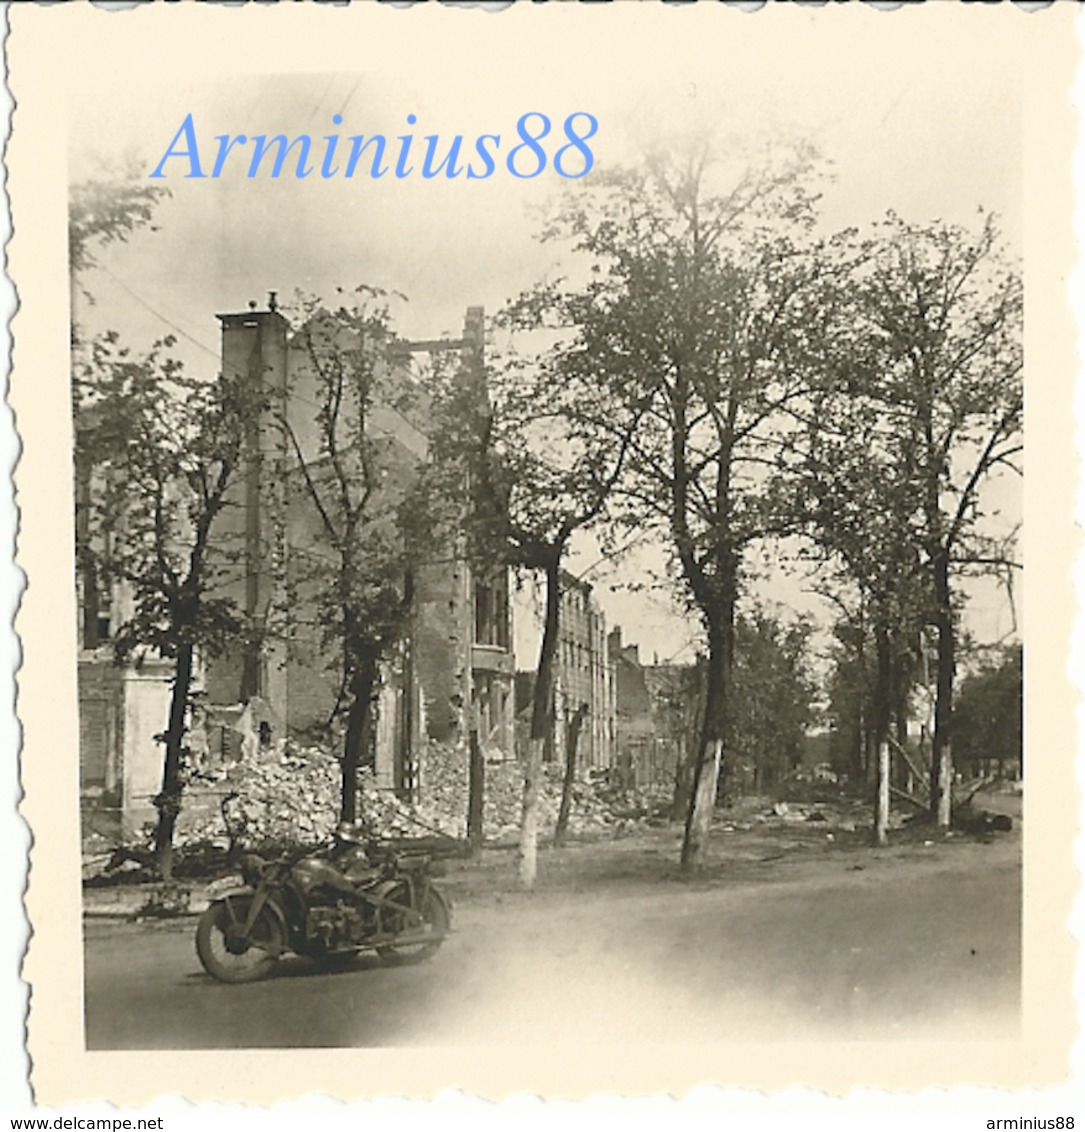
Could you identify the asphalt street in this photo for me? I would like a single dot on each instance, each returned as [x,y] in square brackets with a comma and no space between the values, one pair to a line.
[916,945]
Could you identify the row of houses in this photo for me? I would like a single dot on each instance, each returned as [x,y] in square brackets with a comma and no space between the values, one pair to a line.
[453,671]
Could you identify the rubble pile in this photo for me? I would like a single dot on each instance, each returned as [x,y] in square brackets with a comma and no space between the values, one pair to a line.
[292,797]
[597,809]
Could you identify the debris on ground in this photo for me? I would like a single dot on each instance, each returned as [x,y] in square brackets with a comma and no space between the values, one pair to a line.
[166,900]
[292,797]
[971,820]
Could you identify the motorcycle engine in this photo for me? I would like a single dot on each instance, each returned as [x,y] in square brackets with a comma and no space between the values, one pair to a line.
[334,927]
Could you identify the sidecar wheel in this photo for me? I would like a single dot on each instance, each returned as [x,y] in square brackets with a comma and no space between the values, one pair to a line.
[436,920]
[228,957]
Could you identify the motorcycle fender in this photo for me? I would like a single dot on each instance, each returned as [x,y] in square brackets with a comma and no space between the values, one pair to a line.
[228,893]
[271,905]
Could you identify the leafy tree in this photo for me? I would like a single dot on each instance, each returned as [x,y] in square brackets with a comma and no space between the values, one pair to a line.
[107,208]
[938,312]
[356,479]
[701,313]
[919,404]
[858,514]
[987,718]
[116,398]
[540,468]
[773,694]
[159,452]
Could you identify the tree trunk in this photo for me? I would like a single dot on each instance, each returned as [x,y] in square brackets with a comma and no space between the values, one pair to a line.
[942,751]
[706,770]
[529,817]
[407,776]
[883,684]
[881,711]
[356,741]
[870,755]
[702,805]
[572,741]
[541,721]
[168,801]
[862,755]
[857,763]
[476,788]
[683,784]
[691,723]
[881,809]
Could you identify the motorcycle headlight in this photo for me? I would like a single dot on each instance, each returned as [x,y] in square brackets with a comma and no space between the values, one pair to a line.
[252,868]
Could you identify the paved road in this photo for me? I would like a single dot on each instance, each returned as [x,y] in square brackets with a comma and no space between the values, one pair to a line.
[914,945]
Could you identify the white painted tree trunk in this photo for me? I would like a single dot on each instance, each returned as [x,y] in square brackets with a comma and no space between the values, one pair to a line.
[881,808]
[945,787]
[529,817]
[703,807]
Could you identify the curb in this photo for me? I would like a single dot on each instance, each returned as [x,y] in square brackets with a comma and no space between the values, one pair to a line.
[132,915]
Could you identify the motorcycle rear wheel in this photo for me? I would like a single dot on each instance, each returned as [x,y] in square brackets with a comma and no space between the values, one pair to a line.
[436,920]
[225,954]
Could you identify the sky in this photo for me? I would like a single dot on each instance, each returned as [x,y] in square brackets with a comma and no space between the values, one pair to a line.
[901,125]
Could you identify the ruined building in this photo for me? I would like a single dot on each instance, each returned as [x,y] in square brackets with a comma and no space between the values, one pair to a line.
[657,715]
[452,670]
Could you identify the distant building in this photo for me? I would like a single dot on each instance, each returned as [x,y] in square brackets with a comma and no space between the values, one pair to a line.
[583,682]
[657,715]
[585,674]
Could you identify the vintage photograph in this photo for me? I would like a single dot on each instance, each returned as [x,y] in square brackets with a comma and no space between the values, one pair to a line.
[547,543]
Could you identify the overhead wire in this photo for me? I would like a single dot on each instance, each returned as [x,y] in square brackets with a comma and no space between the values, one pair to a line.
[636,539]
[217,354]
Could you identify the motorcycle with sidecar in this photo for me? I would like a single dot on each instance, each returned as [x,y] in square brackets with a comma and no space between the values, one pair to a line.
[359,894]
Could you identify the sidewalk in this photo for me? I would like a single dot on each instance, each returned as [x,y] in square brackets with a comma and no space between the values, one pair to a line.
[131,901]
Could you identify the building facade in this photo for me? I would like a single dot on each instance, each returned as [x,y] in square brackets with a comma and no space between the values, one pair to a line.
[584,687]
[584,679]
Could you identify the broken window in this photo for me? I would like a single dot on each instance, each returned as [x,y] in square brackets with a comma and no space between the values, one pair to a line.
[492,613]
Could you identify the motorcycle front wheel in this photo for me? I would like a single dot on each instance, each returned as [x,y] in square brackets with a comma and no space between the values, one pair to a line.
[226,952]
[436,920]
